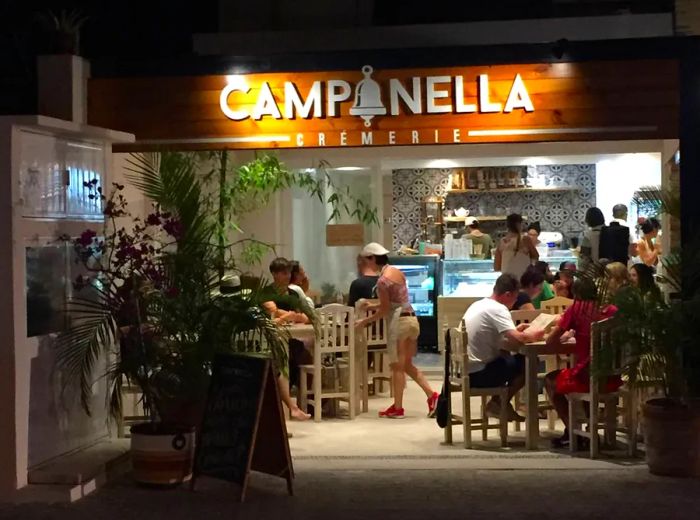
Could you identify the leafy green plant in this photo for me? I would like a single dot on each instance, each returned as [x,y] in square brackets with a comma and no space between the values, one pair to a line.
[159,315]
[658,332]
[329,293]
[245,188]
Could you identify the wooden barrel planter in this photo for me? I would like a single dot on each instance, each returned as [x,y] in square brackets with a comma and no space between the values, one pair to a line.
[672,438]
[162,455]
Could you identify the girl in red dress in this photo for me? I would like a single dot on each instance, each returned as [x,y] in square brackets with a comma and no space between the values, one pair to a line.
[576,322]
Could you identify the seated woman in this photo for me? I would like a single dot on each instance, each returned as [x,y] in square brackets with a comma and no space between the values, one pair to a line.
[299,283]
[576,322]
[642,277]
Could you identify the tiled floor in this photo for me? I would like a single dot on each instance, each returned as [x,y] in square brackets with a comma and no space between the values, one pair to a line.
[416,435]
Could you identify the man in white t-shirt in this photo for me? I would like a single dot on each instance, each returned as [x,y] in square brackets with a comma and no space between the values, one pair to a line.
[491,331]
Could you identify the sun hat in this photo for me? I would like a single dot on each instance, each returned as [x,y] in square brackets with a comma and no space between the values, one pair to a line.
[374,249]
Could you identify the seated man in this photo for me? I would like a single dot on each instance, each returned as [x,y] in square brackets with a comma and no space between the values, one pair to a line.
[283,312]
[491,331]
[532,291]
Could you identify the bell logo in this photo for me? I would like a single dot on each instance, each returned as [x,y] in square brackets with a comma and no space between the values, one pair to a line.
[368,98]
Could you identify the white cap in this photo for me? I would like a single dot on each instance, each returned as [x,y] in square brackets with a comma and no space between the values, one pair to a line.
[470,221]
[374,249]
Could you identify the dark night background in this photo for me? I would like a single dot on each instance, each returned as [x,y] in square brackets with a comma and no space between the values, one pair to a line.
[151,29]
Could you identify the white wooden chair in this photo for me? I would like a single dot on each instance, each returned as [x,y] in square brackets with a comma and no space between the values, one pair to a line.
[556,305]
[336,338]
[374,339]
[551,363]
[459,381]
[602,334]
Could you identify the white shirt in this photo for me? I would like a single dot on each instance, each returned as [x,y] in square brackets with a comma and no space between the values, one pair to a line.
[486,321]
[302,296]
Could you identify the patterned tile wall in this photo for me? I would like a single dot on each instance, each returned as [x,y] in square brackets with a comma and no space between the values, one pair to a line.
[556,211]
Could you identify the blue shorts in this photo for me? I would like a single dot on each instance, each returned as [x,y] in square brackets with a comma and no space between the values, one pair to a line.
[499,372]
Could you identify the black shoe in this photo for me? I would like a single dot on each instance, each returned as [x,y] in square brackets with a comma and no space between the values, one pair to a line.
[561,442]
[583,443]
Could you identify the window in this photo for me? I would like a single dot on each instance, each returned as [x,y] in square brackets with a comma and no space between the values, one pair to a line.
[52,176]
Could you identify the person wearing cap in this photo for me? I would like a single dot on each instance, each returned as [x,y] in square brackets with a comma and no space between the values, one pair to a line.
[402,345]
[478,237]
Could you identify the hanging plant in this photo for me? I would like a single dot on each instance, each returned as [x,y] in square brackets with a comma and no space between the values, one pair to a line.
[239,190]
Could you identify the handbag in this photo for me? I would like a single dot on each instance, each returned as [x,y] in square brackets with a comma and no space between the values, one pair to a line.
[442,411]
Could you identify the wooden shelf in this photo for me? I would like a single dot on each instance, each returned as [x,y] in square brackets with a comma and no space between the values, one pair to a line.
[482,218]
[515,190]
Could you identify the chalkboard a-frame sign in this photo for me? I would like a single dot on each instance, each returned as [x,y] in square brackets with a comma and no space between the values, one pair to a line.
[243,429]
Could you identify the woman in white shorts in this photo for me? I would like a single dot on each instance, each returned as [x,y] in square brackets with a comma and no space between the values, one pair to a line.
[403,329]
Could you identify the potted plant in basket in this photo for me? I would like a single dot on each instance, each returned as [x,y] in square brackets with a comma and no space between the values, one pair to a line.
[664,347]
[150,303]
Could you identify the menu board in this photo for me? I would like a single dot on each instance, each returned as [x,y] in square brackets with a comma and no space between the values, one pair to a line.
[243,412]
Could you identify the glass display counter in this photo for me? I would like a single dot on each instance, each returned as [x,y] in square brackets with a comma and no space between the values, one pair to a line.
[476,278]
[468,278]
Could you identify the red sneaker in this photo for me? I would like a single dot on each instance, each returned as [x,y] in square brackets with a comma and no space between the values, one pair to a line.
[392,413]
[432,404]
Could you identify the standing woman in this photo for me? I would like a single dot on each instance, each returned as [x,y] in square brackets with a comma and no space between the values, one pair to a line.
[402,344]
[590,245]
[648,248]
[516,251]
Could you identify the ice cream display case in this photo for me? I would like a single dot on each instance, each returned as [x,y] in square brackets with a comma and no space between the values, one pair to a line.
[468,278]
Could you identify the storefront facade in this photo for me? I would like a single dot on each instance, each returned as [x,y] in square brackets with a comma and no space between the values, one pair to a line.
[575,93]
[585,91]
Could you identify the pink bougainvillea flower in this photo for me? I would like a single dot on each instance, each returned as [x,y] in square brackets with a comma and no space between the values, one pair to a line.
[86,237]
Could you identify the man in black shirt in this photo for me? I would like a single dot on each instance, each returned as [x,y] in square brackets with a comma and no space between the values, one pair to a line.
[364,285]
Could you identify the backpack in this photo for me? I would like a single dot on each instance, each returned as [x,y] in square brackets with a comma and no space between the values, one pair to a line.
[442,413]
[615,243]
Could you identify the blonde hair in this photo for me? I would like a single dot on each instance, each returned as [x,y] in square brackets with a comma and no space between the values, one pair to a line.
[618,276]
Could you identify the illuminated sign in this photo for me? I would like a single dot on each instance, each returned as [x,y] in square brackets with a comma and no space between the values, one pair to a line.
[422,95]
[368,106]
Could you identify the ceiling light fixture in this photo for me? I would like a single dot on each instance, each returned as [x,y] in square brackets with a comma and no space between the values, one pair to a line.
[351,168]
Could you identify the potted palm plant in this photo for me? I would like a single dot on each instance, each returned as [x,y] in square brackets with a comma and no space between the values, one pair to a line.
[664,350]
[150,304]
[62,31]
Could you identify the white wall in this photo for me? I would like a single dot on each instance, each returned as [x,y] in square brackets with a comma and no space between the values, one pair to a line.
[618,177]
[334,265]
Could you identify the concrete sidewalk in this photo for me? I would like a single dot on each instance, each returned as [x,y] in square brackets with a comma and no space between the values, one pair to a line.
[397,493]
[399,469]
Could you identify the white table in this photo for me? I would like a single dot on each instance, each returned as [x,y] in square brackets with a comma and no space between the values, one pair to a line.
[301,331]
